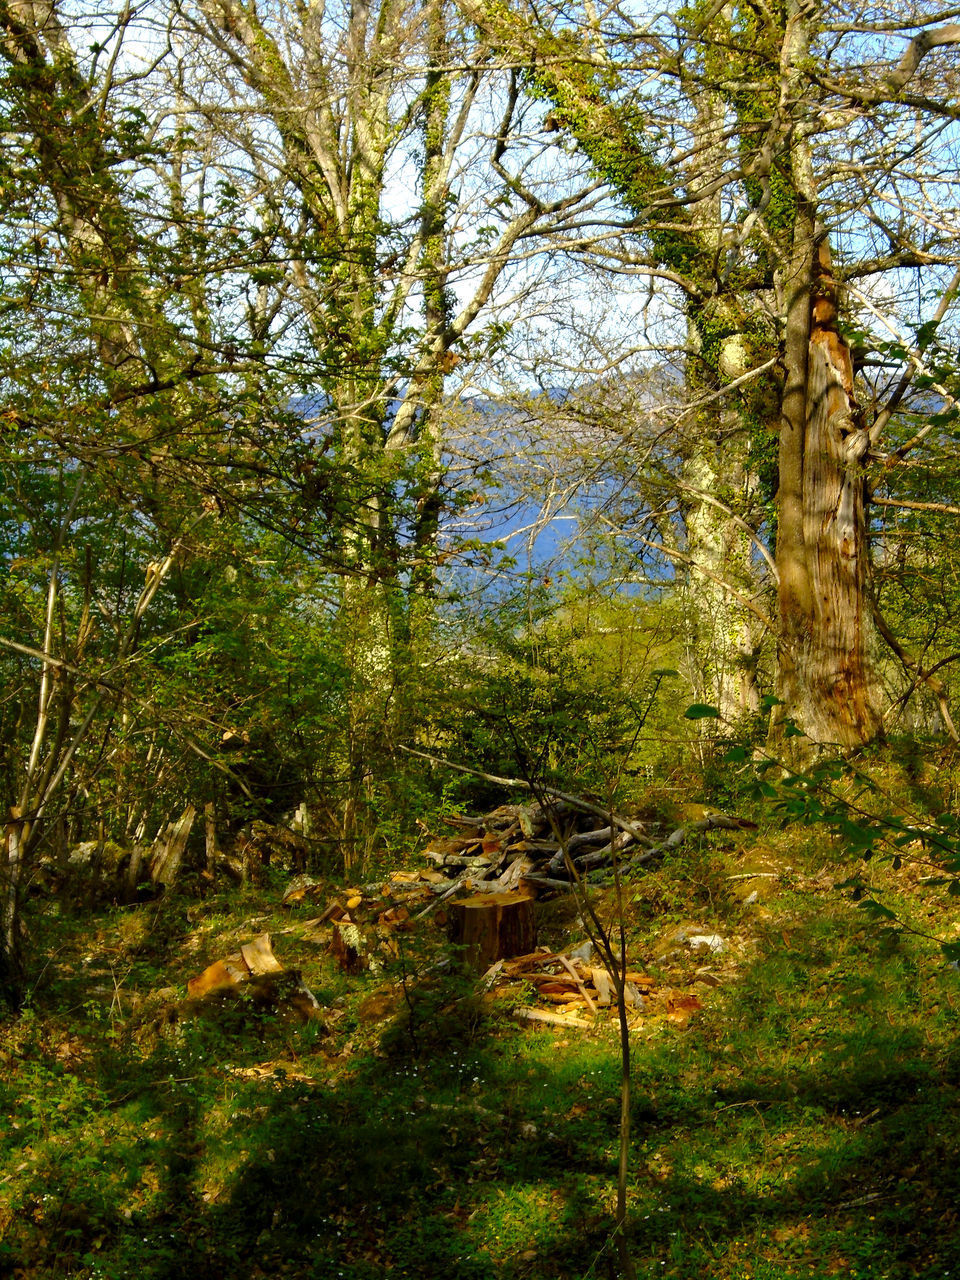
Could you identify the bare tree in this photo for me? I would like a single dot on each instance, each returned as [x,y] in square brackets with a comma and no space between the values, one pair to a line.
[409,187]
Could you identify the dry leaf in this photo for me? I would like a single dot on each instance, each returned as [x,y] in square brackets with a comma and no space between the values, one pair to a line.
[681,1008]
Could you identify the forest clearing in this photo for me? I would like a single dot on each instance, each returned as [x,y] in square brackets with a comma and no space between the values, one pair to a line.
[479,639]
[793,1093]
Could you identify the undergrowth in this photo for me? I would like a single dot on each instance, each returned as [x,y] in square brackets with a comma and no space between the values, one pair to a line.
[804,1124]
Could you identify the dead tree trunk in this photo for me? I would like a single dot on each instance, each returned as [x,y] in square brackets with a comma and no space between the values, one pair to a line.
[169,848]
[827,682]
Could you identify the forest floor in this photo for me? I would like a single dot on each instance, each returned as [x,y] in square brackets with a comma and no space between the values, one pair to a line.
[804,1123]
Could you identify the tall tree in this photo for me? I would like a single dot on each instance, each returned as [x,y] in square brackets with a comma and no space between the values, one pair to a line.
[404,187]
[127,426]
[736,196]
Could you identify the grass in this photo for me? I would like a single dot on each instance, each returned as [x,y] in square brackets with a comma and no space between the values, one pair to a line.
[806,1124]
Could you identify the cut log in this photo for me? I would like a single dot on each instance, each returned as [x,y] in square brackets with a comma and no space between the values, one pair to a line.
[255,959]
[493,926]
[258,956]
[524,1014]
[350,947]
[252,979]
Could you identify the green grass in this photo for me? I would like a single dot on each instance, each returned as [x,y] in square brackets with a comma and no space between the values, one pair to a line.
[807,1124]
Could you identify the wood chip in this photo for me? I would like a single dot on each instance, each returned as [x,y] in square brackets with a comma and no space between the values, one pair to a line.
[606,992]
[640,979]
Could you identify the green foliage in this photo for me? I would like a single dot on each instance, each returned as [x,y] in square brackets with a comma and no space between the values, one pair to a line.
[805,1123]
[701,711]
[575,692]
[593,106]
[867,821]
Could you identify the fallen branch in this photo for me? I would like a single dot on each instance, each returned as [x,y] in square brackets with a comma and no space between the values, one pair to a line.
[588,837]
[587,861]
[713,822]
[550,882]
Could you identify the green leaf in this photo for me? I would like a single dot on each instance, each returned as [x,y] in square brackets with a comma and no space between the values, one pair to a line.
[951,950]
[926,332]
[877,910]
[701,711]
[859,836]
[910,837]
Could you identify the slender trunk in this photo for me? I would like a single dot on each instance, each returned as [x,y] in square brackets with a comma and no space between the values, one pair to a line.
[724,636]
[11,952]
[369,656]
[210,836]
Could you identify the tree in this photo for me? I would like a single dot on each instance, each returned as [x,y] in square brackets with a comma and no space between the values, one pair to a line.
[399,190]
[128,434]
[735,196]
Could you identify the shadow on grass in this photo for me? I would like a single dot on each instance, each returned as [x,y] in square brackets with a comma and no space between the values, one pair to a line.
[808,1126]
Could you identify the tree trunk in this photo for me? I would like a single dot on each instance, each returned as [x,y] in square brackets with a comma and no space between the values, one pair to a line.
[11,958]
[721,580]
[724,634]
[826,680]
[839,688]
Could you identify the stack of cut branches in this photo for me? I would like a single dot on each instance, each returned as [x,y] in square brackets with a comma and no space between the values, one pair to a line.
[551,842]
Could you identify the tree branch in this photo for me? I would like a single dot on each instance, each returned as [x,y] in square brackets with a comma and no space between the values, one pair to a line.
[578,802]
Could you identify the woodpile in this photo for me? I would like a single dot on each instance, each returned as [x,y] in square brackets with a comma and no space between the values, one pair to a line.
[549,844]
[529,842]
[484,879]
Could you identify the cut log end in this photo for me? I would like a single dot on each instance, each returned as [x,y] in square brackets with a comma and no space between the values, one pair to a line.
[493,926]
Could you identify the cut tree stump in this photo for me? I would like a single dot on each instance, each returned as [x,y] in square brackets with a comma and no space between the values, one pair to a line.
[493,926]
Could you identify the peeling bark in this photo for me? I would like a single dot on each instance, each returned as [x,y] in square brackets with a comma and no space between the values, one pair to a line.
[827,680]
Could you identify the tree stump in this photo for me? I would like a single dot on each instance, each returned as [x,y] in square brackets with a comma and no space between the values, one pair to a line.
[493,926]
